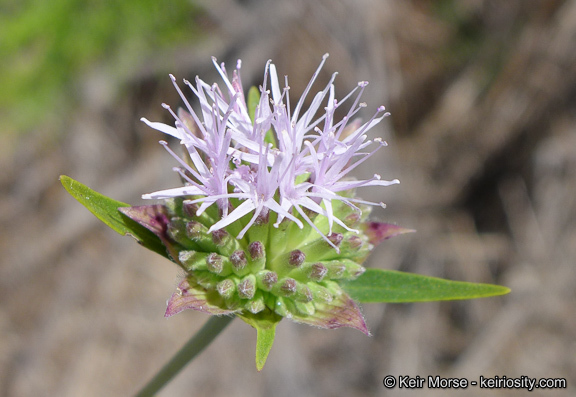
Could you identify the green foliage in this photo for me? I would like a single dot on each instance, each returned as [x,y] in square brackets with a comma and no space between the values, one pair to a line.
[264,340]
[106,209]
[46,45]
[265,333]
[377,285]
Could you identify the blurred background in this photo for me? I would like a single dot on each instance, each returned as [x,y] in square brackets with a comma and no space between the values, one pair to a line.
[482,136]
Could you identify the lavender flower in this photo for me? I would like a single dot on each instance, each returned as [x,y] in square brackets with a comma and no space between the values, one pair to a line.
[303,174]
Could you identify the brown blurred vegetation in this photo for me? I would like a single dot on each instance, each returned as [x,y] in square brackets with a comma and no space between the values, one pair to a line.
[482,136]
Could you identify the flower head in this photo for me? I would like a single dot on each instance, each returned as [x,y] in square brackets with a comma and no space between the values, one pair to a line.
[303,173]
[268,224]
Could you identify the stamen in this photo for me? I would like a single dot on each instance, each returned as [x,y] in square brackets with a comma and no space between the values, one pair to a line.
[231,160]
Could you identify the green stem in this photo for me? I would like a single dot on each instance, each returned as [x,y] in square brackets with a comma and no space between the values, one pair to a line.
[190,350]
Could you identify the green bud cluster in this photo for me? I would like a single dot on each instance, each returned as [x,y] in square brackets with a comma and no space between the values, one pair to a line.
[287,270]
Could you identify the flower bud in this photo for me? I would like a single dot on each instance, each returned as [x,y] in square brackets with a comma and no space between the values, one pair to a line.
[256,304]
[193,260]
[290,262]
[266,279]
[320,249]
[336,269]
[206,279]
[335,238]
[238,261]
[189,210]
[290,288]
[320,293]
[352,220]
[286,287]
[352,244]
[198,233]
[259,230]
[177,232]
[256,250]
[226,288]
[296,258]
[247,287]
[257,255]
[316,271]
[226,244]
[214,263]
[194,229]
[303,293]
[281,307]
[343,269]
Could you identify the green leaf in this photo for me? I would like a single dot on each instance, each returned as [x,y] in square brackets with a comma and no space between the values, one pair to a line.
[106,209]
[378,285]
[265,324]
[264,341]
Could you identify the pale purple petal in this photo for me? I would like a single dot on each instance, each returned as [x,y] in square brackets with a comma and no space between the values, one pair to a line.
[163,128]
[174,192]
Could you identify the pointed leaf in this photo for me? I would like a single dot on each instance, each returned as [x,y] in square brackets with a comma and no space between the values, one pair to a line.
[264,341]
[378,285]
[265,324]
[106,209]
